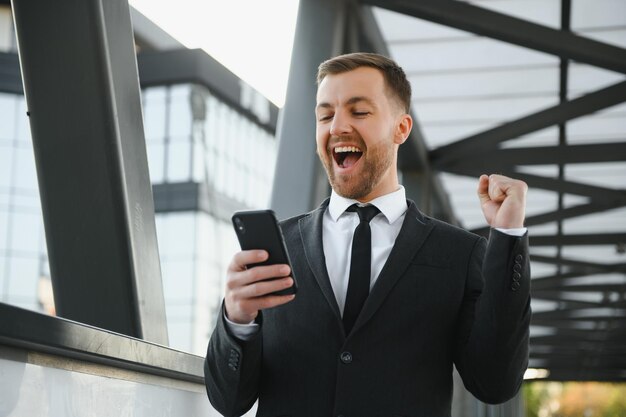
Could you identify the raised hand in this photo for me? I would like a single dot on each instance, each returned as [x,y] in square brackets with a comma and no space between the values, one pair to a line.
[503,200]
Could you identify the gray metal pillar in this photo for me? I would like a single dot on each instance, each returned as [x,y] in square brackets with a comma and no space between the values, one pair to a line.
[418,188]
[300,183]
[80,80]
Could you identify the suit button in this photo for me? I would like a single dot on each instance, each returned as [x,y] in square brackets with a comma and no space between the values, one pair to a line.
[346,357]
[519,258]
[517,267]
[516,276]
[515,286]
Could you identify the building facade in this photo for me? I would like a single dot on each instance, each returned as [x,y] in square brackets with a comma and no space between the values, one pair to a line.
[211,151]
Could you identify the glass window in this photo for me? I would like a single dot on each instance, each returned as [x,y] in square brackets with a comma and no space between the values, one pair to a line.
[180,116]
[3,263]
[6,164]
[175,232]
[177,278]
[22,127]
[206,237]
[179,161]
[25,172]
[198,159]
[155,161]
[4,230]
[7,116]
[180,333]
[22,281]
[154,120]
[27,201]
[25,229]
[153,95]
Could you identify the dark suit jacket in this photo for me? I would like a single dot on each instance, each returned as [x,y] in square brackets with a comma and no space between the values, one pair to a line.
[435,303]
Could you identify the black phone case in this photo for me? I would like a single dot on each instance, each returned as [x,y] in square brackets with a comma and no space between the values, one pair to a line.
[259,229]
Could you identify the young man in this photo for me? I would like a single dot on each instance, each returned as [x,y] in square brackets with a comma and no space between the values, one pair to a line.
[438,295]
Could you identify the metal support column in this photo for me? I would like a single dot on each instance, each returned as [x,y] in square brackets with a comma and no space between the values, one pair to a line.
[82,90]
[300,182]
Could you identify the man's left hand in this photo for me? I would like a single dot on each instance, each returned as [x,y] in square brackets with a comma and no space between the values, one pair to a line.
[503,201]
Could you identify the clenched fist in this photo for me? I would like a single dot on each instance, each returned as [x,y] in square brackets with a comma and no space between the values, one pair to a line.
[503,201]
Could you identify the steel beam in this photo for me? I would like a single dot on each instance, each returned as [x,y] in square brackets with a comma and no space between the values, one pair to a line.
[580,314]
[558,215]
[581,239]
[299,181]
[447,155]
[603,288]
[570,212]
[558,340]
[484,22]
[583,265]
[496,159]
[80,80]
[598,194]
[421,183]
[559,282]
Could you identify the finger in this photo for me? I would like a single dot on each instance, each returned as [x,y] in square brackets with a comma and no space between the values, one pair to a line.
[245,310]
[497,187]
[255,274]
[505,187]
[264,288]
[263,303]
[483,188]
[274,301]
[247,257]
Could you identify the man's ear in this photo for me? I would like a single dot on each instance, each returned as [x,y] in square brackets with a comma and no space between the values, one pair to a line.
[403,128]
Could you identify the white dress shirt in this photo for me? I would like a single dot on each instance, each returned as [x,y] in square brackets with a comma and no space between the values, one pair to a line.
[337,231]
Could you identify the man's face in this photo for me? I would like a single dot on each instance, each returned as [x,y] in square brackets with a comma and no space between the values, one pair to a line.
[359,129]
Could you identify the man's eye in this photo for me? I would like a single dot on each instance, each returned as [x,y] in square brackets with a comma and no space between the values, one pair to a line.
[325,117]
[360,113]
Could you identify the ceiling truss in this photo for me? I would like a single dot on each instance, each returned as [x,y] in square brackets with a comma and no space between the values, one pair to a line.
[583,337]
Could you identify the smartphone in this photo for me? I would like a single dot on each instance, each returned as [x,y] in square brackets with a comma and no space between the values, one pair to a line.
[259,229]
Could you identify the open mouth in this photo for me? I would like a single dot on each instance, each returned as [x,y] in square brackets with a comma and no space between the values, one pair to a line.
[346,156]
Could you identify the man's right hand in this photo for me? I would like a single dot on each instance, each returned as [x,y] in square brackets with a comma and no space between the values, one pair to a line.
[249,290]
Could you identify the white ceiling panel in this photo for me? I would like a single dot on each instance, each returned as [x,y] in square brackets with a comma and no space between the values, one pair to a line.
[485,84]
[598,14]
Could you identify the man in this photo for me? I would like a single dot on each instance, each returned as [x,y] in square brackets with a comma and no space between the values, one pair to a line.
[432,300]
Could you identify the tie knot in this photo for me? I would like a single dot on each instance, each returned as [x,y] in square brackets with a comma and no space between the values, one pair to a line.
[366,213]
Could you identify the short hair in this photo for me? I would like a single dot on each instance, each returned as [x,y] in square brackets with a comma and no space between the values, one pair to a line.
[393,74]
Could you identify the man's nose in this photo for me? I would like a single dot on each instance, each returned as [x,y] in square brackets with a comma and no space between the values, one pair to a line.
[340,126]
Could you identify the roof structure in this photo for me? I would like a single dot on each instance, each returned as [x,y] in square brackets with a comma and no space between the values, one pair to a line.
[533,89]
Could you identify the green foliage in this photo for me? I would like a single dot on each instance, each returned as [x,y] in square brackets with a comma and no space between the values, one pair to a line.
[574,399]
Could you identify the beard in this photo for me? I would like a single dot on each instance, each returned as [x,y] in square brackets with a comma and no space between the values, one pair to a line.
[375,162]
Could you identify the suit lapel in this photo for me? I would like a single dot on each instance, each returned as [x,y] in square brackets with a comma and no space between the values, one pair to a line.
[311,233]
[414,232]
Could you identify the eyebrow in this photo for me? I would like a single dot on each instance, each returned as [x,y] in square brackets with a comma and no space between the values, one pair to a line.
[352,100]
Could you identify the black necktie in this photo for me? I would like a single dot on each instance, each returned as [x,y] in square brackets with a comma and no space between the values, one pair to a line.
[360,266]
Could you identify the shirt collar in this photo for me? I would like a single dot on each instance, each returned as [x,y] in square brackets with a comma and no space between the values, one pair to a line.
[392,205]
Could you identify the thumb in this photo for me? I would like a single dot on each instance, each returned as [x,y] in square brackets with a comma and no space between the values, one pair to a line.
[483,189]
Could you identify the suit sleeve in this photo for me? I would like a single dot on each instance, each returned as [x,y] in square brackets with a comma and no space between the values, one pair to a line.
[491,352]
[232,370]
